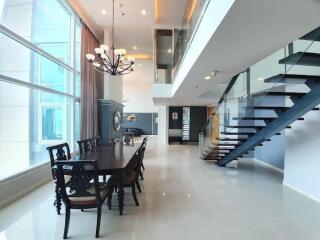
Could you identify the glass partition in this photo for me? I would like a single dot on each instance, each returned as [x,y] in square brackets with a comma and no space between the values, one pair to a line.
[183,36]
[163,41]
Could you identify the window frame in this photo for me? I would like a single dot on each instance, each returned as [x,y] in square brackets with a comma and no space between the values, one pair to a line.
[71,99]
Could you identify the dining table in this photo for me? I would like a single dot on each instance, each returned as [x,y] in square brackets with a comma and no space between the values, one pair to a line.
[111,160]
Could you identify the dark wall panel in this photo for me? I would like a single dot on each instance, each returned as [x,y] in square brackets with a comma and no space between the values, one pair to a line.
[106,129]
[198,117]
[175,124]
[144,122]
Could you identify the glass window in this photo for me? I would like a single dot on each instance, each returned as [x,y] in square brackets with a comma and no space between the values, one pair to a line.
[37,124]
[40,103]
[40,22]
[77,123]
[19,62]
[78,46]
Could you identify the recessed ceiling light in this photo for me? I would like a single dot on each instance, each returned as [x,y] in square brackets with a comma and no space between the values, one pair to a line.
[207,77]
[135,47]
[261,79]
[169,50]
[144,12]
[214,73]
[103,11]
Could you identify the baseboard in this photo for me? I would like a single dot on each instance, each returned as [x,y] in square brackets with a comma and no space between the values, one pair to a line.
[279,170]
[301,192]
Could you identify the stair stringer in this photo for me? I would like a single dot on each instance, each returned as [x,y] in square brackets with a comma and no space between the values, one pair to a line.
[309,101]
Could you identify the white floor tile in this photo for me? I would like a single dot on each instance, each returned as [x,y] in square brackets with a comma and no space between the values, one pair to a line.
[183,198]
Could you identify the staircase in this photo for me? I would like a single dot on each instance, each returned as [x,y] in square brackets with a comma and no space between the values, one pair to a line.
[256,117]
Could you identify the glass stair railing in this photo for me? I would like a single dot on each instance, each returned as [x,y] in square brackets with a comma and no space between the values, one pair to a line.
[263,100]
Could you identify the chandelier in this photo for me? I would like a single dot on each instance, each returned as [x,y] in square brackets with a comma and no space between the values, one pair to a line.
[116,63]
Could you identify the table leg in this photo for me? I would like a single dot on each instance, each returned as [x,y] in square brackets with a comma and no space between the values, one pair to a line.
[121,195]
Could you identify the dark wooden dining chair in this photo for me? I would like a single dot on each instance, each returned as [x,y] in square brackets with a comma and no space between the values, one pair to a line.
[58,152]
[130,177]
[116,140]
[80,188]
[96,141]
[143,148]
[85,145]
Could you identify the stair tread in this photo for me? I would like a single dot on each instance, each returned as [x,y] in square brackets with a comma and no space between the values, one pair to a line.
[285,94]
[219,148]
[220,152]
[302,58]
[232,139]
[216,155]
[254,118]
[291,78]
[270,107]
[241,126]
[312,36]
[275,108]
[238,133]
[226,144]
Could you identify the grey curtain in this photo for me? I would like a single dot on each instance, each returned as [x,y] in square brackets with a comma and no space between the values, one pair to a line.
[91,87]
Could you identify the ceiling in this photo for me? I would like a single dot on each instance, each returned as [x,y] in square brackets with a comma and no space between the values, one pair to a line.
[170,12]
[250,31]
[134,30]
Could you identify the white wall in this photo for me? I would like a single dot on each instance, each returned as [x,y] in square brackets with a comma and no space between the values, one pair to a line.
[113,88]
[137,89]
[302,156]
[139,98]
[163,124]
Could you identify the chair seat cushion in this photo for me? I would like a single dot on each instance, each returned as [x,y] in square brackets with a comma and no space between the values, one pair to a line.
[91,200]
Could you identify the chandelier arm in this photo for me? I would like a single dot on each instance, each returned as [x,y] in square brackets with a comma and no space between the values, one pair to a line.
[125,73]
[107,67]
[125,64]
[109,59]
[117,65]
[99,70]
[103,63]
[125,69]
[107,63]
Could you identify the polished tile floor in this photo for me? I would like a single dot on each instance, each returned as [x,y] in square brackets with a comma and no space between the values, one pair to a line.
[183,198]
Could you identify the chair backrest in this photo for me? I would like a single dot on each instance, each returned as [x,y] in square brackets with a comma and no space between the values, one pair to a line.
[136,161]
[86,145]
[143,148]
[73,180]
[116,140]
[59,152]
[97,141]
